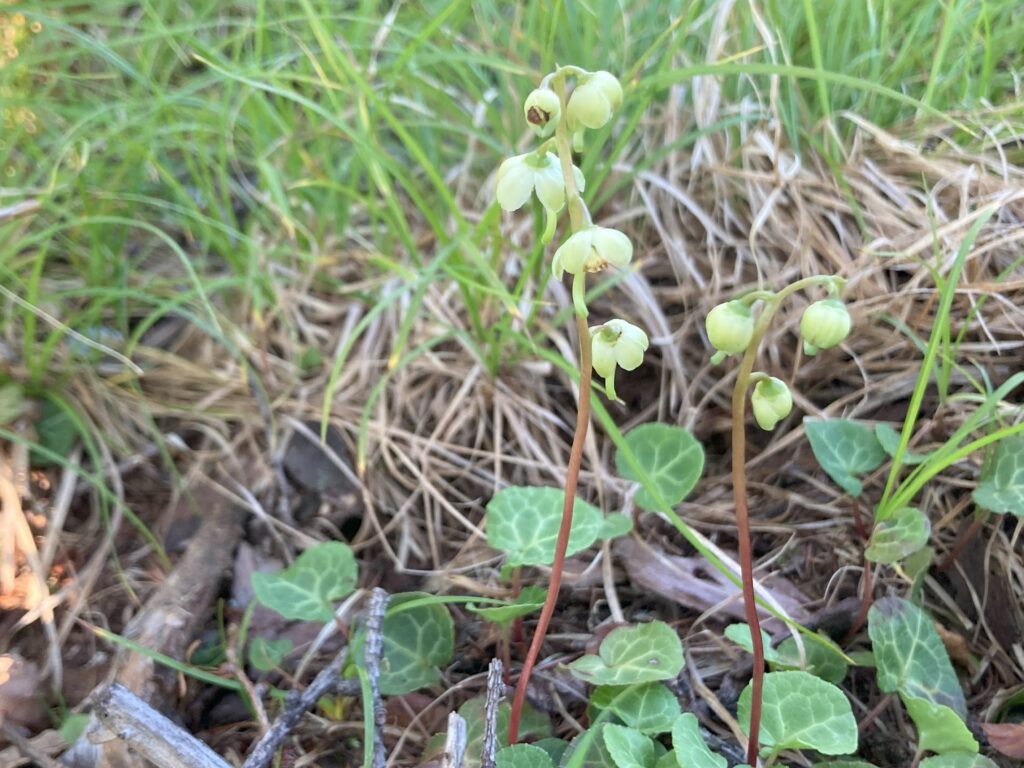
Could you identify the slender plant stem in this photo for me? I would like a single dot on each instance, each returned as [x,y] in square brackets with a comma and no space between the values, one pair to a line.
[562,544]
[744,378]
[739,490]
[579,217]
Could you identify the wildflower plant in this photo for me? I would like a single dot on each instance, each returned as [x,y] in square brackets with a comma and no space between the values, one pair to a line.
[567,103]
[736,328]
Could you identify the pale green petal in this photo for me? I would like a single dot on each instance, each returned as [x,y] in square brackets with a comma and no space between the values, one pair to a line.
[613,246]
[550,187]
[589,106]
[581,183]
[635,335]
[604,357]
[573,252]
[515,183]
[629,354]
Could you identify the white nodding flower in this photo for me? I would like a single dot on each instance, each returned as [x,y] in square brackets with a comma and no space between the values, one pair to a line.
[543,109]
[522,175]
[616,344]
[591,250]
[730,327]
[771,401]
[594,100]
[823,325]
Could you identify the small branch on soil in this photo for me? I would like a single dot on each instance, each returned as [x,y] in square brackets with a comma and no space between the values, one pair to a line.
[371,656]
[151,734]
[495,690]
[329,680]
[455,743]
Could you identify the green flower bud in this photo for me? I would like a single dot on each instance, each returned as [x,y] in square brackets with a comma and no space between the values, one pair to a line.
[772,402]
[594,100]
[616,344]
[730,327]
[591,250]
[824,325]
[522,175]
[543,109]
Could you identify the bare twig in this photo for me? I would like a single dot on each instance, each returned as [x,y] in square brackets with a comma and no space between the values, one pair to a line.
[327,681]
[455,743]
[371,656]
[151,734]
[495,690]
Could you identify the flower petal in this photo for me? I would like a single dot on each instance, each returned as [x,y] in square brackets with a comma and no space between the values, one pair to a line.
[628,354]
[613,246]
[603,357]
[515,183]
[572,254]
[550,187]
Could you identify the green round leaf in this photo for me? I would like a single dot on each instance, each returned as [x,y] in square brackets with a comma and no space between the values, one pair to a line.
[416,642]
[532,724]
[523,522]
[671,457]
[844,449]
[939,728]
[800,711]
[689,746]
[649,707]
[588,750]
[889,439]
[1002,478]
[639,654]
[823,658]
[909,655]
[957,760]
[307,589]
[628,747]
[266,654]
[522,756]
[897,537]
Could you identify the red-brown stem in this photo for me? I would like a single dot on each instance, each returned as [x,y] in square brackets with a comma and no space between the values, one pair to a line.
[562,544]
[865,604]
[739,489]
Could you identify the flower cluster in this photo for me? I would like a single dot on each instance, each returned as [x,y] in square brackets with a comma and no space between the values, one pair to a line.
[549,173]
[732,329]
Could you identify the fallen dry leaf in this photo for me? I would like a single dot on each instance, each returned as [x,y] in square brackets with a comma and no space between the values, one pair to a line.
[694,583]
[1008,738]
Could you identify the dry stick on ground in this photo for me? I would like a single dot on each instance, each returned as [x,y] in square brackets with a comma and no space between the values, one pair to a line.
[328,680]
[373,650]
[150,734]
[495,689]
[455,742]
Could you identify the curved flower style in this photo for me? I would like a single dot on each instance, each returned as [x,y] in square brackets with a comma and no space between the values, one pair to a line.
[594,100]
[591,250]
[771,401]
[522,175]
[616,344]
[823,325]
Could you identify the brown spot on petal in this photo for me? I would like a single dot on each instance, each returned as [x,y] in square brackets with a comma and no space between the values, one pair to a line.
[537,116]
